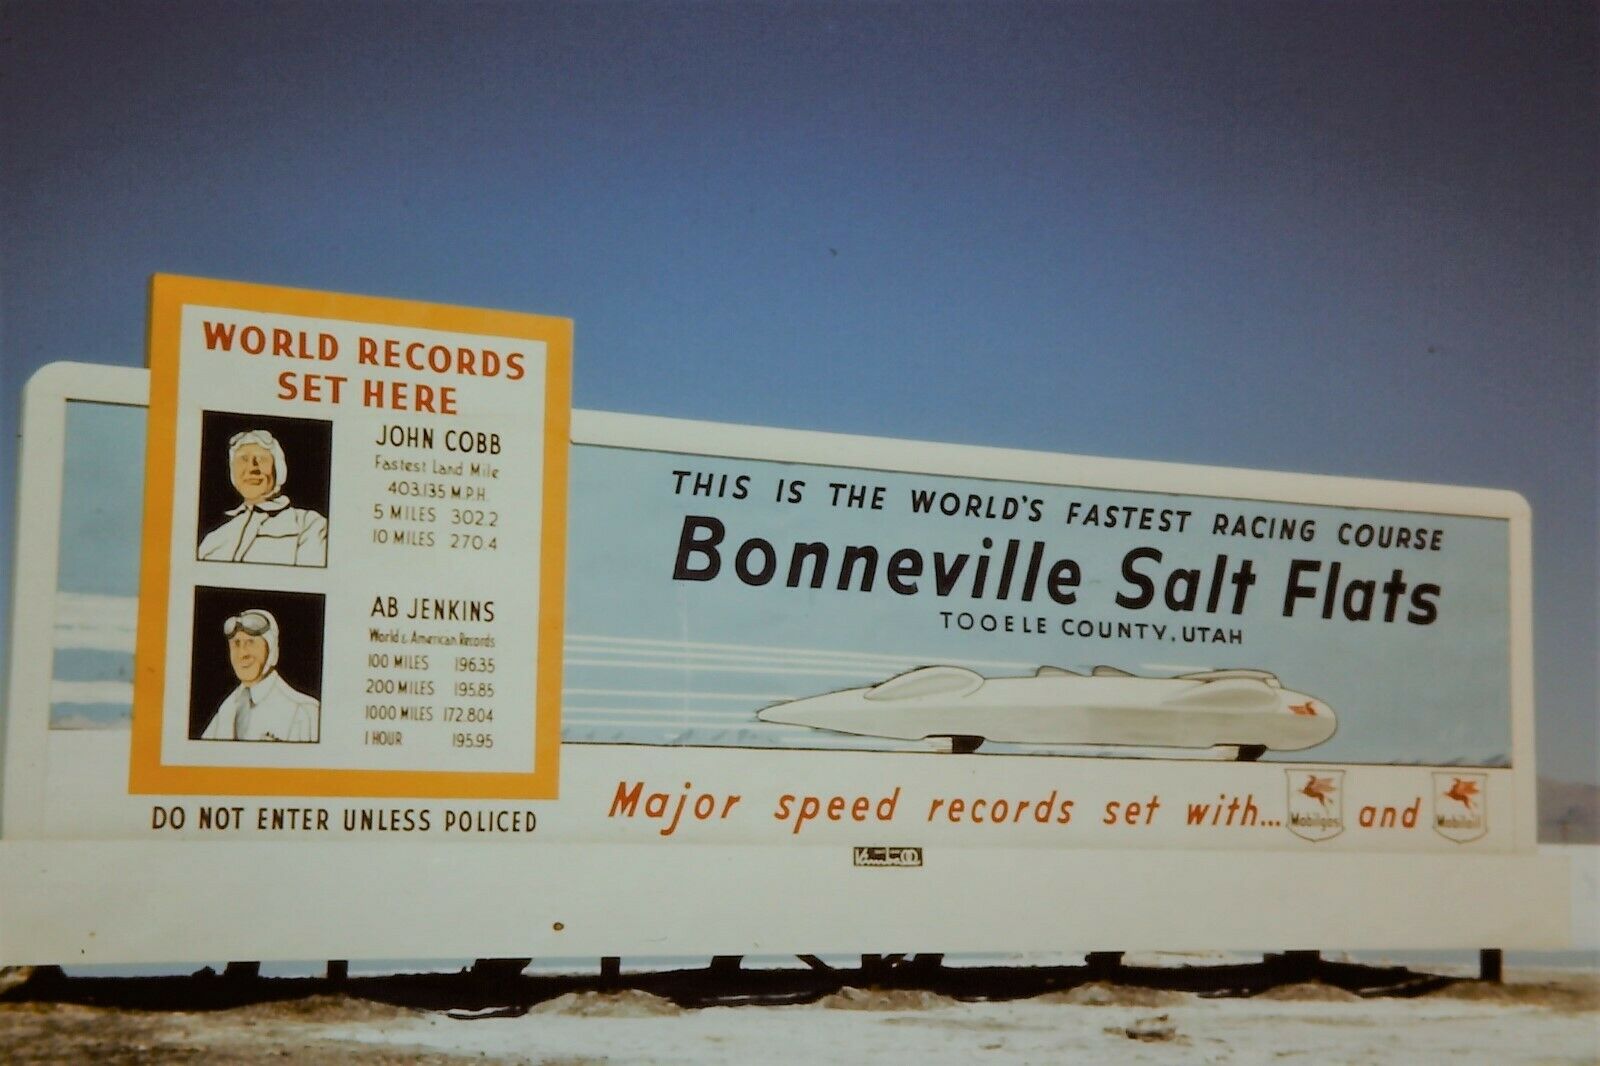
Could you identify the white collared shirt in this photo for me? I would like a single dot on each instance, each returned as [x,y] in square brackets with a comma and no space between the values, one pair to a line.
[278,712]
[269,532]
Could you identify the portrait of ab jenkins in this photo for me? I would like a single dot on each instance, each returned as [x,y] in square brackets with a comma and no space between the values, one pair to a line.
[256,666]
[246,513]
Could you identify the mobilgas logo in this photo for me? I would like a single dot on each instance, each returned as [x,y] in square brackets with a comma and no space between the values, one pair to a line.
[1460,811]
[886,855]
[1316,803]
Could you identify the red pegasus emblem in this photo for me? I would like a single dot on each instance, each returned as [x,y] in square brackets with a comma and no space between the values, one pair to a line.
[1462,791]
[1318,788]
[1306,709]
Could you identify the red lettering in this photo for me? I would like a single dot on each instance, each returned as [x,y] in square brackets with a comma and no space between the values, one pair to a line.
[627,799]
[218,333]
[409,396]
[310,387]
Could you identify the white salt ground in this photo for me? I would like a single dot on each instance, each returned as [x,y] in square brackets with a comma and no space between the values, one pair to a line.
[1183,1029]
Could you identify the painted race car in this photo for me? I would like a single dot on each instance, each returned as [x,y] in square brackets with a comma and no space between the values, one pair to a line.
[1246,709]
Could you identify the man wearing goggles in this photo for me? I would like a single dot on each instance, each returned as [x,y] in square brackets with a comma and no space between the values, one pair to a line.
[264,706]
[264,528]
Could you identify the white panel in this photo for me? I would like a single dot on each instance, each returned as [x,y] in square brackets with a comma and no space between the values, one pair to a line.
[133,902]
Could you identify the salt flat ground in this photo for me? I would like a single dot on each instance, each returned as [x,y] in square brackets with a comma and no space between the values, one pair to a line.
[1533,1018]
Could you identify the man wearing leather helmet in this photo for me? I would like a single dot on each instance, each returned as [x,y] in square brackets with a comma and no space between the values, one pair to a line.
[264,527]
[263,706]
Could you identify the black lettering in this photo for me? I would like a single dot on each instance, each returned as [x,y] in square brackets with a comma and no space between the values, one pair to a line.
[1130,573]
[701,534]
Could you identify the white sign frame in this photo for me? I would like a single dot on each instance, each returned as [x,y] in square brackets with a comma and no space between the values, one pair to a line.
[58,904]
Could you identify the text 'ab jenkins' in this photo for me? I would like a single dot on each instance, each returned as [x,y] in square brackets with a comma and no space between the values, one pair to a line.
[430,608]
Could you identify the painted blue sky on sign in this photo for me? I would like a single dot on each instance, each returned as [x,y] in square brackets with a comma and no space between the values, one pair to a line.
[652,660]
[1342,239]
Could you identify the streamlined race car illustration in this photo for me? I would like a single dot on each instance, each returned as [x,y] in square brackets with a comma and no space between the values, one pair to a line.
[1246,709]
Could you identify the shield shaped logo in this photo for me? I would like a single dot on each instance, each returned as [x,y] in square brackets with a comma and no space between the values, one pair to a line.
[1460,806]
[1316,803]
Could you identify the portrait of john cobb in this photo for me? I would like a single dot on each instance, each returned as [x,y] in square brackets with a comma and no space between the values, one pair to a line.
[249,698]
[249,518]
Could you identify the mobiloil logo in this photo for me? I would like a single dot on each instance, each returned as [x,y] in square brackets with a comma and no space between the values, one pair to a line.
[1460,806]
[1316,803]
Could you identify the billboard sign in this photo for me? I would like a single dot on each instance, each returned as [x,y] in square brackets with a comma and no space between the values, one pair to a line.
[806,666]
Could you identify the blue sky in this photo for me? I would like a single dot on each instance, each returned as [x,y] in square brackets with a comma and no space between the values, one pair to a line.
[1341,239]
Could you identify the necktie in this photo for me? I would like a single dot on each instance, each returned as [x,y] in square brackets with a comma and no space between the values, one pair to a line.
[241,715]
